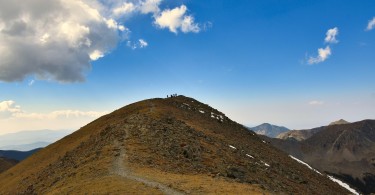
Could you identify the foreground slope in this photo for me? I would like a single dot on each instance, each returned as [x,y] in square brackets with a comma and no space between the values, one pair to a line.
[344,150]
[171,146]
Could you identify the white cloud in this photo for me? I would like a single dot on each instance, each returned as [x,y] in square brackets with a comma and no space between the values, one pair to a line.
[331,35]
[371,24]
[141,43]
[175,19]
[323,54]
[58,40]
[13,118]
[150,6]
[52,40]
[59,114]
[8,108]
[125,8]
[96,54]
[316,102]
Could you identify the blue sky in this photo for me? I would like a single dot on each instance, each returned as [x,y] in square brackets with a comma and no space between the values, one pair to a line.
[250,59]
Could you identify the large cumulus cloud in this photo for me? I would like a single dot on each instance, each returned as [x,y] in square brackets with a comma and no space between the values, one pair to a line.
[53,39]
[58,39]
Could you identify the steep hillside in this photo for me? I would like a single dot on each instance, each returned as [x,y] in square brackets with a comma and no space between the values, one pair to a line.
[6,163]
[346,151]
[269,130]
[171,146]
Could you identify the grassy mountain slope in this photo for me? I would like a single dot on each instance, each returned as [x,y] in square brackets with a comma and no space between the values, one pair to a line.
[6,163]
[171,146]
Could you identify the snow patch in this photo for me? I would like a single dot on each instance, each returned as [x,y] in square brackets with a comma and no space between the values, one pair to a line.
[264,141]
[265,163]
[344,185]
[201,111]
[232,147]
[307,165]
[248,155]
[217,116]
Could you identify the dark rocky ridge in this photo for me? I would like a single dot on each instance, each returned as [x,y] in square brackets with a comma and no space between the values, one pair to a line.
[344,150]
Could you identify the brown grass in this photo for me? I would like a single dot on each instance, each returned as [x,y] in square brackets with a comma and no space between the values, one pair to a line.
[106,185]
[198,183]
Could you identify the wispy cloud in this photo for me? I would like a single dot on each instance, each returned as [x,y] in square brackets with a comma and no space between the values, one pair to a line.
[371,24]
[315,102]
[150,6]
[331,35]
[58,40]
[124,9]
[323,54]
[141,43]
[60,114]
[14,118]
[176,19]
[31,82]
[9,109]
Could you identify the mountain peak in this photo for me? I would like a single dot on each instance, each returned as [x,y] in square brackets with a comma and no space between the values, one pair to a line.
[339,122]
[269,130]
[169,145]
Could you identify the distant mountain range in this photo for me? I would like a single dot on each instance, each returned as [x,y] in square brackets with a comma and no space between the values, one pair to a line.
[300,135]
[175,145]
[28,140]
[25,147]
[9,158]
[345,150]
[269,130]
[17,155]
